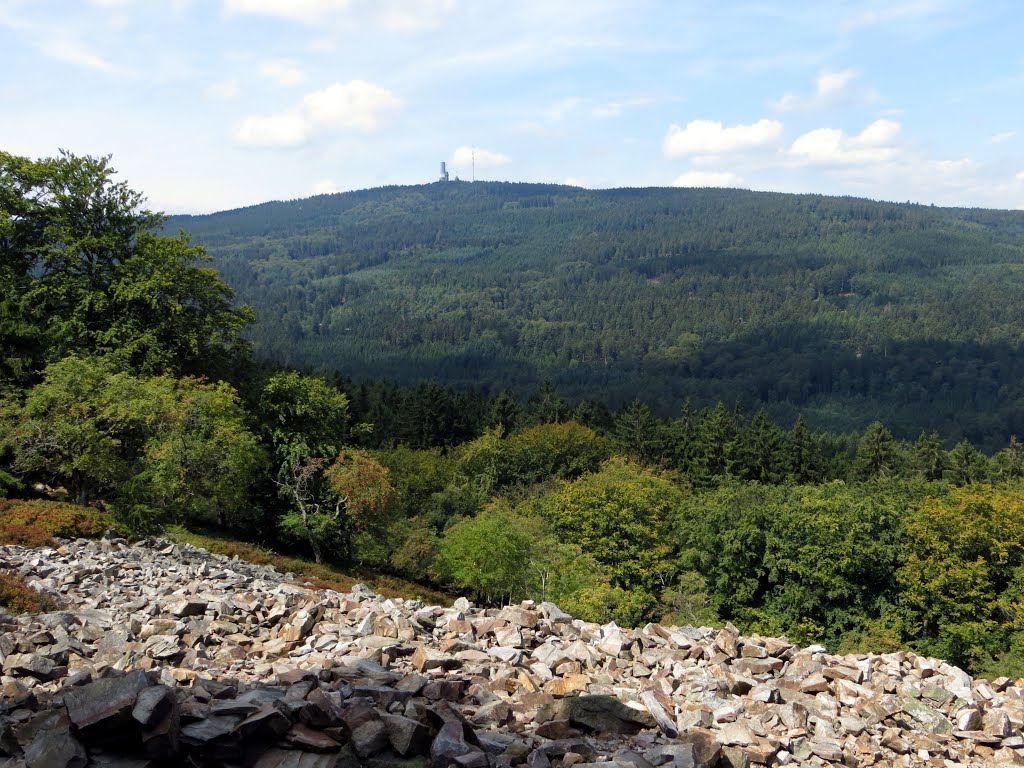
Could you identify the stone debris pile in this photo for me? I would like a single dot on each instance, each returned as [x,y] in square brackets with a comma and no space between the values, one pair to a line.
[166,654]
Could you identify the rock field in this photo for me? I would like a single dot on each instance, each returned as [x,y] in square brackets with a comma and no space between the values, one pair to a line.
[166,654]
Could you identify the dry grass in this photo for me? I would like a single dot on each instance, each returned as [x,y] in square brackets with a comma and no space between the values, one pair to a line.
[320,575]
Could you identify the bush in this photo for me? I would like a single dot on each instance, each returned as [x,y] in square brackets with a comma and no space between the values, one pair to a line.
[24,535]
[16,597]
[54,518]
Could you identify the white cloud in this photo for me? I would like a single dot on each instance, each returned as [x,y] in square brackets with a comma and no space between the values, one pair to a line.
[110,3]
[396,15]
[560,109]
[606,111]
[831,146]
[356,104]
[307,11]
[1020,177]
[710,137]
[284,129]
[893,13]
[574,181]
[615,108]
[325,187]
[420,15]
[708,179]
[999,138]
[73,52]
[464,157]
[831,89]
[227,90]
[283,72]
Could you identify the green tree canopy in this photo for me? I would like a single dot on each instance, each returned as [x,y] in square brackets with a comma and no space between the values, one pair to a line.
[85,272]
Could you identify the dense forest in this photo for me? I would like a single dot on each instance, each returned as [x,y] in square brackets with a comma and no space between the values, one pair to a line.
[126,383]
[845,310]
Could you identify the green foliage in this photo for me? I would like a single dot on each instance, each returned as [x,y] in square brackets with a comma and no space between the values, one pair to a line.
[929,459]
[296,410]
[963,550]
[416,549]
[966,464]
[487,554]
[564,450]
[688,602]
[619,516]
[878,455]
[79,427]
[201,459]
[89,276]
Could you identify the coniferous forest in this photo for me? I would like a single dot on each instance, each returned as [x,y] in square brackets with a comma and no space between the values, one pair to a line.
[846,310]
[795,413]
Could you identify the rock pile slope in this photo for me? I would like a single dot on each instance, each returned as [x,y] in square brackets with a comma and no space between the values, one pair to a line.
[166,654]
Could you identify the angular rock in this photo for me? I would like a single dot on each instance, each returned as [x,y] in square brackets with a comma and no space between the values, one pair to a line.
[407,736]
[107,703]
[605,714]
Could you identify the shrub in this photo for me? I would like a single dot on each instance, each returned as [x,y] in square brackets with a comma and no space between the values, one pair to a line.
[24,535]
[54,518]
[17,597]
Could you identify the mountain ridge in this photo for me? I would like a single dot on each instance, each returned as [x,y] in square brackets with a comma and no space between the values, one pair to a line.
[642,292]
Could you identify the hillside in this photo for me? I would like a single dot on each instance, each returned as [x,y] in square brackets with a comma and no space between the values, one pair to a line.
[846,309]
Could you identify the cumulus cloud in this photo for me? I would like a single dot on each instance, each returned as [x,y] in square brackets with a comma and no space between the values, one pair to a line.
[999,138]
[283,72]
[1020,177]
[708,179]
[710,137]
[284,129]
[356,105]
[831,89]
[464,157]
[227,90]
[307,11]
[831,146]
[325,187]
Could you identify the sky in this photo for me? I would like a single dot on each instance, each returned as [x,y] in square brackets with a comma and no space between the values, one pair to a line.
[208,105]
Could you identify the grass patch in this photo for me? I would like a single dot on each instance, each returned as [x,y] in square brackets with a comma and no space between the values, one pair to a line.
[34,523]
[17,597]
[320,575]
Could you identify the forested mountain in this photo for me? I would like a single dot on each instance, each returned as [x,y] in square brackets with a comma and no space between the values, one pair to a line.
[846,309]
[125,383]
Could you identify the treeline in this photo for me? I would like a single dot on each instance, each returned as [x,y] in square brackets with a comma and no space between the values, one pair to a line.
[846,310]
[125,382]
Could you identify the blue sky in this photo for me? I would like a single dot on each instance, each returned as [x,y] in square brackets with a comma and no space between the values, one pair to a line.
[214,104]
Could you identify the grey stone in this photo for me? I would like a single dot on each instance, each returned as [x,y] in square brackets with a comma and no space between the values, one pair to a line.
[407,736]
[55,749]
[105,703]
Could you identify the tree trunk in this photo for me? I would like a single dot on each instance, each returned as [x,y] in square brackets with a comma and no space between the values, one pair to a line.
[79,488]
[315,545]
